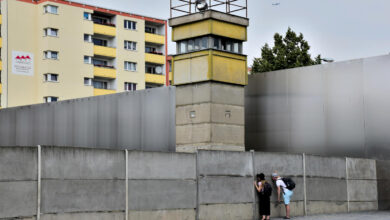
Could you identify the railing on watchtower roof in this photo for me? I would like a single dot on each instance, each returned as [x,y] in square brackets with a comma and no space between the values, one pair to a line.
[187,7]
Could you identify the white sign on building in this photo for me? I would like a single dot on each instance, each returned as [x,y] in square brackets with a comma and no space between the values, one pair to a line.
[22,63]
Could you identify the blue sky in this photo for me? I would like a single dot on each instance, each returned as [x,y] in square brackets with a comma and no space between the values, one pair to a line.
[338,29]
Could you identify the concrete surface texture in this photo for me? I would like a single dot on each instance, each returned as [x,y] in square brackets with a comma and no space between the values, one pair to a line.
[335,109]
[209,116]
[350,216]
[140,120]
[84,183]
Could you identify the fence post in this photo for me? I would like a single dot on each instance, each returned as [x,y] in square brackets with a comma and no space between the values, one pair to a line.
[304,184]
[39,183]
[346,179]
[127,184]
[197,185]
[254,190]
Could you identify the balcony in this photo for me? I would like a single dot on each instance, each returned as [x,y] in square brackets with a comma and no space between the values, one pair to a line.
[97,92]
[1,65]
[104,29]
[1,42]
[104,51]
[1,88]
[104,71]
[155,78]
[155,38]
[154,58]
[1,19]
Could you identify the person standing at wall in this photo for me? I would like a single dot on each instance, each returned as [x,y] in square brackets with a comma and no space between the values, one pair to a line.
[286,185]
[264,190]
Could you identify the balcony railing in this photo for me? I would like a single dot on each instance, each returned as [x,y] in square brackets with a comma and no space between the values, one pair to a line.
[155,78]
[154,58]
[104,23]
[104,71]
[97,91]
[155,38]
[104,51]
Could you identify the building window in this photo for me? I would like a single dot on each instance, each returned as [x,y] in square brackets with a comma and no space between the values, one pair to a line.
[130,25]
[130,66]
[87,16]
[50,99]
[153,69]
[50,77]
[88,38]
[102,63]
[130,86]
[51,55]
[151,30]
[100,84]
[99,42]
[202,43]
[87,60]
[130,45]
[87,81]
[51,9]
[51,32]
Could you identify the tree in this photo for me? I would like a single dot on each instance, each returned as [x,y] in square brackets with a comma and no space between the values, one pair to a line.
[288,52]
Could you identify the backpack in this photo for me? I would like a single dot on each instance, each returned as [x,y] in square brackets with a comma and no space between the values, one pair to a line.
[290,184]
[267,189]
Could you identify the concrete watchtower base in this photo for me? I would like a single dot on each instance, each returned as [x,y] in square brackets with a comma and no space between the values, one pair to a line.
[209,116]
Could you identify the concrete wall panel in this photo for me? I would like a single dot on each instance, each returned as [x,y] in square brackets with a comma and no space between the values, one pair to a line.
[362,190]
[363,206]
[82,195]
[317,166]
[383,175]
[144,165]
[162,194]
[284,164]
[297,209]
[18,163]
[226,211]
[179,214]
[326,189]
[72,163]
[18,199]
[361,169]
[215,190]
[217,163]
[141,120]
[324,207]
[85,216]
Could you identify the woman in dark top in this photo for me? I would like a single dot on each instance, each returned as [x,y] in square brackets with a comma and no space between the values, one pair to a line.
[263,187]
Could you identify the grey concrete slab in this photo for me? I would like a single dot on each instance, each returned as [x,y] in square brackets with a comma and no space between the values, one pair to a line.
[162,194]
[383,191]
[153,165]
[326,189]
[227,94]
[178,214]
[318,166]
[278,209]
[192,134]
[201,113]
[326,207]
[226,211]
[78,163]
[18,199]
[85,216]
[193,94]
[362,190]
[228,134]
[227,114]
[363,206]
[82,195]
[383,169]
[8,127]
[229,190]
[18,163]
[284,164]
[361,169]
[220,163]
[345,216]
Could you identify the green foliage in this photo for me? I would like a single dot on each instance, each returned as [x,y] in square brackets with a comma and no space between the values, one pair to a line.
[288,52]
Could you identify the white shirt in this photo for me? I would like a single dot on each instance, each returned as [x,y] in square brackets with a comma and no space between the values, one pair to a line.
[280,183]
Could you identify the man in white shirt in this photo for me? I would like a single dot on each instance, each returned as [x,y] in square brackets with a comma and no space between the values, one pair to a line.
[286,193]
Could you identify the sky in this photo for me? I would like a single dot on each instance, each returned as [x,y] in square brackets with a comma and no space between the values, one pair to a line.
[337,29]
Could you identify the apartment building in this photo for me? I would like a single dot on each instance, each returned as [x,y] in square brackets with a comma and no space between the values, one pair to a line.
[55,50]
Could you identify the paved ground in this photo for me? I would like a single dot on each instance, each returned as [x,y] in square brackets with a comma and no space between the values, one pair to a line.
[350,216]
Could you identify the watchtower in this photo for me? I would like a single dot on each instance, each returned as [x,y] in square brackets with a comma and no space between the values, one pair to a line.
[209,72]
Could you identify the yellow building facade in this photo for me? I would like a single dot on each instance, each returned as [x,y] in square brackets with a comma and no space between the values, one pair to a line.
[55,50]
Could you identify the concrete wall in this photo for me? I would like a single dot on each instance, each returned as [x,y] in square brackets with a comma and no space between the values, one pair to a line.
[336,109]
[140,120]
[83,183]
[383,176]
